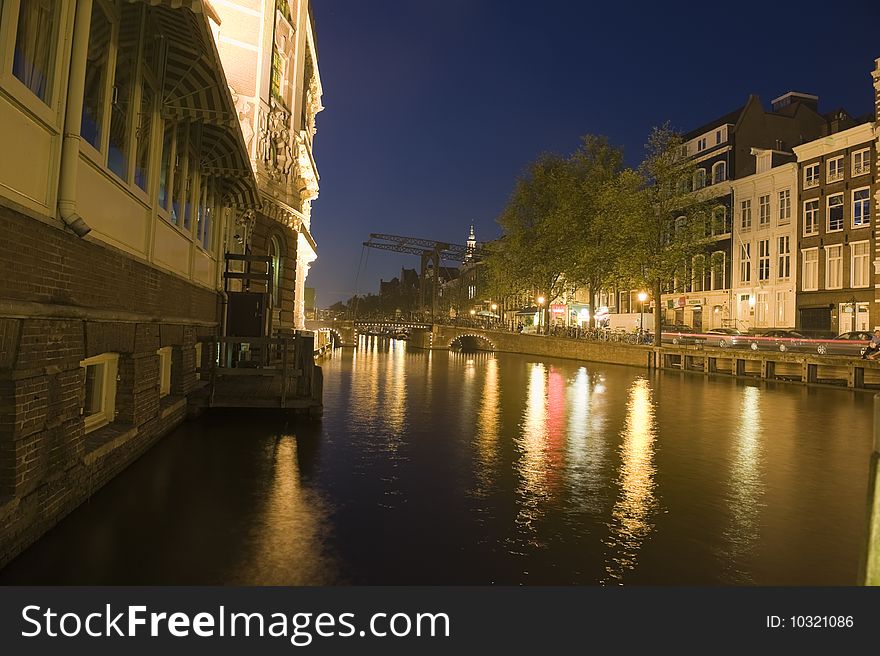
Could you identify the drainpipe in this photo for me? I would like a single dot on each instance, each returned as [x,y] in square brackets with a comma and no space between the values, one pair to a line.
[73,120]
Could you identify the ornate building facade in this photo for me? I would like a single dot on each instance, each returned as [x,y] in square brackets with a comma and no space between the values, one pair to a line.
[269,56]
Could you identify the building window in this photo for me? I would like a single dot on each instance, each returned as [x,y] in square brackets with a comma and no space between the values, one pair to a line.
[861,207]
[169,155]
[701,144]
[699,270]
[783,271]
[717,137]
[764,210]
[811,176]
[860,265]
[784,207]
[810,277]
[811,217]
[745,263]
[718,262]
[834,267]
[745,214]
[699,178]
[835,212]
[92,125]
[35,42]
[120,118]
[835,169]
[719,221]
[99,404]
[861,162]
[782,308]
[719,172]
[764,259]
[144,135]
[164,371]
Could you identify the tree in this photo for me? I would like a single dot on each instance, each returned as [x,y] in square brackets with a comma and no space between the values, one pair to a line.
[556,232]
[537,225]
[595,238]
[664,217]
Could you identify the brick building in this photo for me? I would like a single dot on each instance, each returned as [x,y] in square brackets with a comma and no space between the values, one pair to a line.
[124,174]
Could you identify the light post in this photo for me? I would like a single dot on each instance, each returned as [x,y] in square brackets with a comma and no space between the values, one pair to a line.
[541,301]
[494,307]
[473,313]
[642,298]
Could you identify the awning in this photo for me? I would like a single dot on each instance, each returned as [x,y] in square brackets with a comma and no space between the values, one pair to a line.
[194,88]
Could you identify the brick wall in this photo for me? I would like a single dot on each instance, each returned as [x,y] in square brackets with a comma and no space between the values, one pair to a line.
[48,464]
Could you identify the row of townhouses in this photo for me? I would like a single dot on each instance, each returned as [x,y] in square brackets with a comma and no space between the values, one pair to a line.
[793,241]
[143,142]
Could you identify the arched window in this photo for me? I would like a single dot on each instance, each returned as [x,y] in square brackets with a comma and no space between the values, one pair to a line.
[275,253]
[699,178]
[719,172]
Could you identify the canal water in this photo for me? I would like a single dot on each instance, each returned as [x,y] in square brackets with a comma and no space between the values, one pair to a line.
[453,468]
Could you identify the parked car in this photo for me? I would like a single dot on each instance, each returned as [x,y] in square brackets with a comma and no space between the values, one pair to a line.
[679,333]
[725,338]
[787,340]
[852,343]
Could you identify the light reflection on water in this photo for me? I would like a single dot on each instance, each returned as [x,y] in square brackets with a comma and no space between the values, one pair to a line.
[471,468]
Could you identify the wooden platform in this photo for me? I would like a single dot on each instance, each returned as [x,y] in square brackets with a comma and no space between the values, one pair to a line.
[260,372]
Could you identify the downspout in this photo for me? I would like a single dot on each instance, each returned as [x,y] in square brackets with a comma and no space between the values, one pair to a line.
[73,120]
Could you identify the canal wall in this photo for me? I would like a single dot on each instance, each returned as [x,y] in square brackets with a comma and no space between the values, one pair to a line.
[72,301]
[446,337]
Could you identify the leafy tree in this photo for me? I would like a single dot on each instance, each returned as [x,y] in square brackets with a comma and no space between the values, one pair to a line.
[664,218]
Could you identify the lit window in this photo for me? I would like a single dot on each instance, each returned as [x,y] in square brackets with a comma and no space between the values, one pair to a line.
[164,371]
[35,42]
[99,403]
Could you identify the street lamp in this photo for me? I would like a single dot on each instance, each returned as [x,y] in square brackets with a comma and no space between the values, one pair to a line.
[642,298]
[494,307]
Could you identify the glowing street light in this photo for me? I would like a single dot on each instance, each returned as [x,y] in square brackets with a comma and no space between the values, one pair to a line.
[541,301]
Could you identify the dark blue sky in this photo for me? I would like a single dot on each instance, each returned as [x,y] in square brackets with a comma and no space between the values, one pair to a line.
[433,107]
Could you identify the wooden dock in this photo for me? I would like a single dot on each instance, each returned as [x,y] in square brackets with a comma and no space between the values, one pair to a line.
[260,372]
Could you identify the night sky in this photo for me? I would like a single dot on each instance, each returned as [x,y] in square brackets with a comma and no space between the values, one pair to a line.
[433,107]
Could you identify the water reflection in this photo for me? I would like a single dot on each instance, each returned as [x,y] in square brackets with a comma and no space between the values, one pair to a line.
[746,486]
[446,468]
[488,429]
[289,530]
[631,517]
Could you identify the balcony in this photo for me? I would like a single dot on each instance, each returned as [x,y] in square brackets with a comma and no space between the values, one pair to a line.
[809,183]
[834,176]
[861,169]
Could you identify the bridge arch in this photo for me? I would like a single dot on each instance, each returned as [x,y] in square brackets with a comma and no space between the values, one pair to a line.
[471,342]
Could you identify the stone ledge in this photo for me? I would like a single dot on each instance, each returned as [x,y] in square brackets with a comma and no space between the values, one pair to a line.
[109,438]
[168,405]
